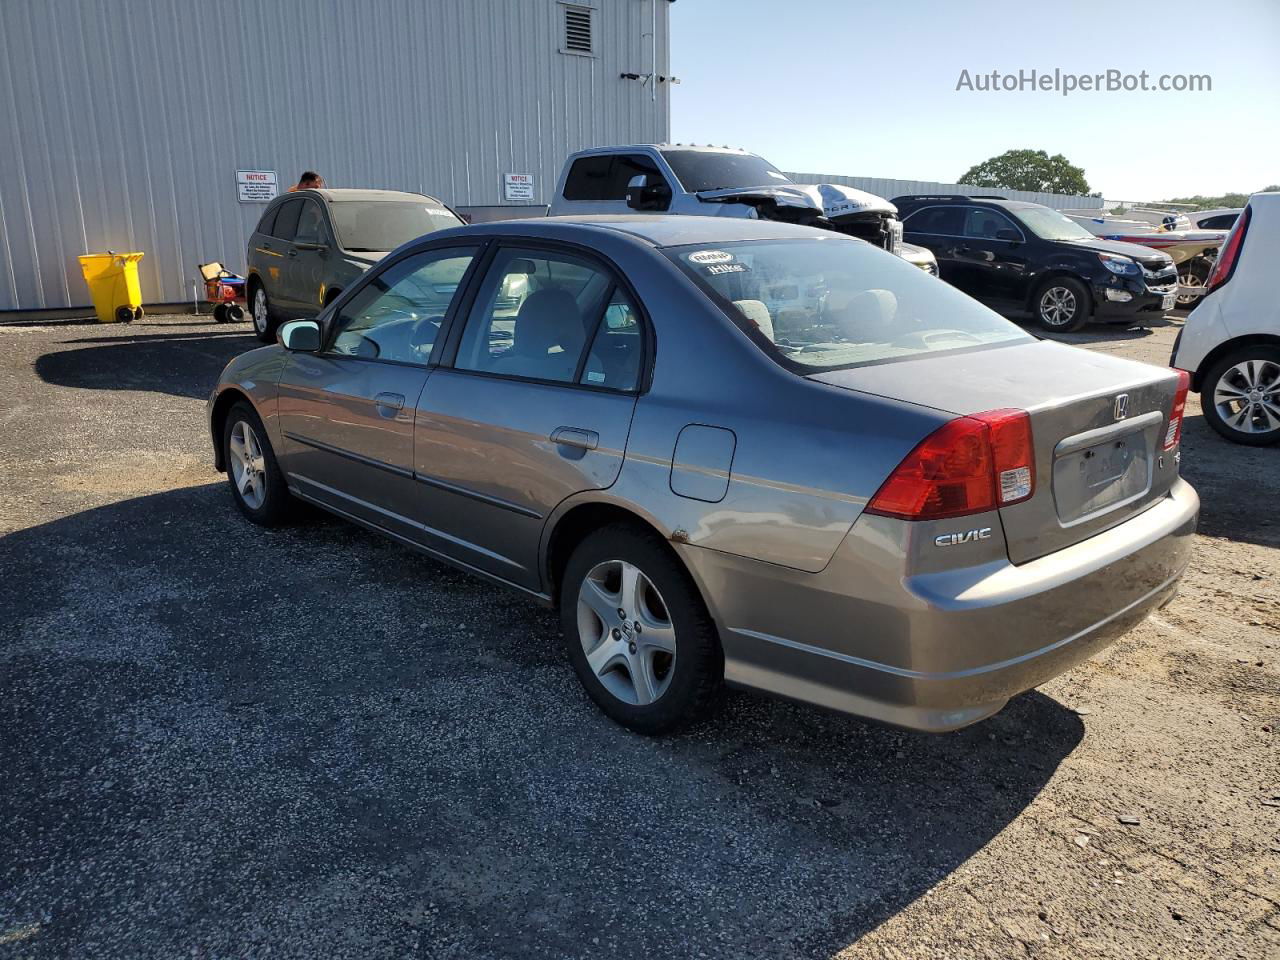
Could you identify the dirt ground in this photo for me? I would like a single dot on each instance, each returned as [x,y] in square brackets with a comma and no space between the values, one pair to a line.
[224,742]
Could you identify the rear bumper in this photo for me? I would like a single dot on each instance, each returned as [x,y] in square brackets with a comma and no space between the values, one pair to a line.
[939,651]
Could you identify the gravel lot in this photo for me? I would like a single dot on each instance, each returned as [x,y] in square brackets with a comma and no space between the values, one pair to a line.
[224,742]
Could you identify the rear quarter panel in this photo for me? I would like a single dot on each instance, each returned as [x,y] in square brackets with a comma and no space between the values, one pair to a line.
[807,456]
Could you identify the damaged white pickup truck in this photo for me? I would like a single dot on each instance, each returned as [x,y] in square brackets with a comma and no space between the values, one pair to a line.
[716,182]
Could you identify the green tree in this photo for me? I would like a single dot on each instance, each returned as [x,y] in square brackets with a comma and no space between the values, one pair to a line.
[1031,170]
[1226,200]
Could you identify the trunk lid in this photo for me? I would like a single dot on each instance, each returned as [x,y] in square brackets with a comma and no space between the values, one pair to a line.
[1099,459]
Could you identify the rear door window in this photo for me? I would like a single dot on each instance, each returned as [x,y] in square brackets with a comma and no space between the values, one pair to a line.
[268,221]
[942,221]
[535,315]
[286,224]
[606,177]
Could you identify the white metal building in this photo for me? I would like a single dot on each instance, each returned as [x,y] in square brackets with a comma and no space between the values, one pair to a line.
[125,122]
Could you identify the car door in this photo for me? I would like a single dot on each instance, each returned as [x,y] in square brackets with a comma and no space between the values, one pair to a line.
[535,406]
[277,275]
[307,257]
[939,229]
[598,184]
[347,410]
[992,257]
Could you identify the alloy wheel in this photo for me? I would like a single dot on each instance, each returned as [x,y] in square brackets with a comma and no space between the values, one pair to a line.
[626,632]
[1247,396]
[1058,306]
[260,311]
[1190,279]
[248,465]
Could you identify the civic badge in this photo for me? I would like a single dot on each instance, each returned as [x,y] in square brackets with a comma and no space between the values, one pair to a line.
[1122,406]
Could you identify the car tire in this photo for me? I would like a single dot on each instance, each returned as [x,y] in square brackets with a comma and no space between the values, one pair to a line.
[661,675]
[1061,305]
[257,484]
[264,321]
[1240,395]
[1196,274]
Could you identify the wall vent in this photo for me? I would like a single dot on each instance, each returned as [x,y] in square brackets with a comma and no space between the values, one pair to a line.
[577,30]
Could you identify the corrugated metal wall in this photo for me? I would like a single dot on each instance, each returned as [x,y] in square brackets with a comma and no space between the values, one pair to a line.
[123,122]
[889,189]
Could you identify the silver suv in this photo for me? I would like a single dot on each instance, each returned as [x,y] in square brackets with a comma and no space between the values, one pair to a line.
[311,244]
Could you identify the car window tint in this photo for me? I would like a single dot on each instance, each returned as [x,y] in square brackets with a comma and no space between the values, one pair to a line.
[606,178]
[287,219]
[268,221]
[1224,221]
[984,224]
[310,224]
[613,359]
[946,221]
[533,315]
[398,313]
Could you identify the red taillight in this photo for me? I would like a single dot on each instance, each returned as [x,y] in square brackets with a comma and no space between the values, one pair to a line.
[1225,265]
[969,465]
[1173,436]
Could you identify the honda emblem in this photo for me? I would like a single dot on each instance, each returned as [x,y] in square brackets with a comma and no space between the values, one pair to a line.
[1122,406]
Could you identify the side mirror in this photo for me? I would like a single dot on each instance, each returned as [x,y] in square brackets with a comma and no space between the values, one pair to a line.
[300,336]
[643,195]
[1011,235]
[306,245]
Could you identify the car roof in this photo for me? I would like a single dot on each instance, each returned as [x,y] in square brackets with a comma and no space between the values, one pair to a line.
[656,230]
[340,195]
[942,200]
[663,148]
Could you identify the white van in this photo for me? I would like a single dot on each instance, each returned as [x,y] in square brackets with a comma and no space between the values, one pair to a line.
[1231,342]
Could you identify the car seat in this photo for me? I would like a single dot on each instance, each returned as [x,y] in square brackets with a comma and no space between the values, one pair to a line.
[547,319]
[756,312]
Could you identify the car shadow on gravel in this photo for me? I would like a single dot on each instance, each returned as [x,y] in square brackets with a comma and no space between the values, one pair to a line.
[181,364]
[221,739]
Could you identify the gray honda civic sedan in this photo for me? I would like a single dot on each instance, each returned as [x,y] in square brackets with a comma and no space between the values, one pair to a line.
[730,451]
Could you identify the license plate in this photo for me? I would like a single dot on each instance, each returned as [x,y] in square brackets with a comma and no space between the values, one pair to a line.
[1168,300]
[1090,480]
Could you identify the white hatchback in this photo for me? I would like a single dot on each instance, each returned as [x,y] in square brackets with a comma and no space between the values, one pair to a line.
[1231,342]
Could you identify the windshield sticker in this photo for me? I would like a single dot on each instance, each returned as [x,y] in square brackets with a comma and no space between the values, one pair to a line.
[715,269]
[703,257]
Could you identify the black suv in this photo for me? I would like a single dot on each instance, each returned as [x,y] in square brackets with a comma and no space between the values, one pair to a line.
[1021,257]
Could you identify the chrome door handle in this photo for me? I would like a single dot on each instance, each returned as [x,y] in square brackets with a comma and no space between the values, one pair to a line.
[575,437]
[392,401]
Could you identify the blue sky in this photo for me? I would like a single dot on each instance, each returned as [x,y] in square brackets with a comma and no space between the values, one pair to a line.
[869,89]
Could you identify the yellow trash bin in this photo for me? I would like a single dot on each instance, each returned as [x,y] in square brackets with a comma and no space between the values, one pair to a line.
[113,285]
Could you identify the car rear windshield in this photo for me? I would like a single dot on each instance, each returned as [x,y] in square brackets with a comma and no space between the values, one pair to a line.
[834,302]
[385,224]
[700,170]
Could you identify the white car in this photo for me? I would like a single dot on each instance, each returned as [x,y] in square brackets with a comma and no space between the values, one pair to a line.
[1231,342]
[1221,218]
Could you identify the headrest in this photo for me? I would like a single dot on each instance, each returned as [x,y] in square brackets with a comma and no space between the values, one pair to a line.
[757,313]
[548,318]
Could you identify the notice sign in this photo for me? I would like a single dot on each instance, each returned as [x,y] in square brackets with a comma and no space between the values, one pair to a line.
[256,186]
[517,186]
